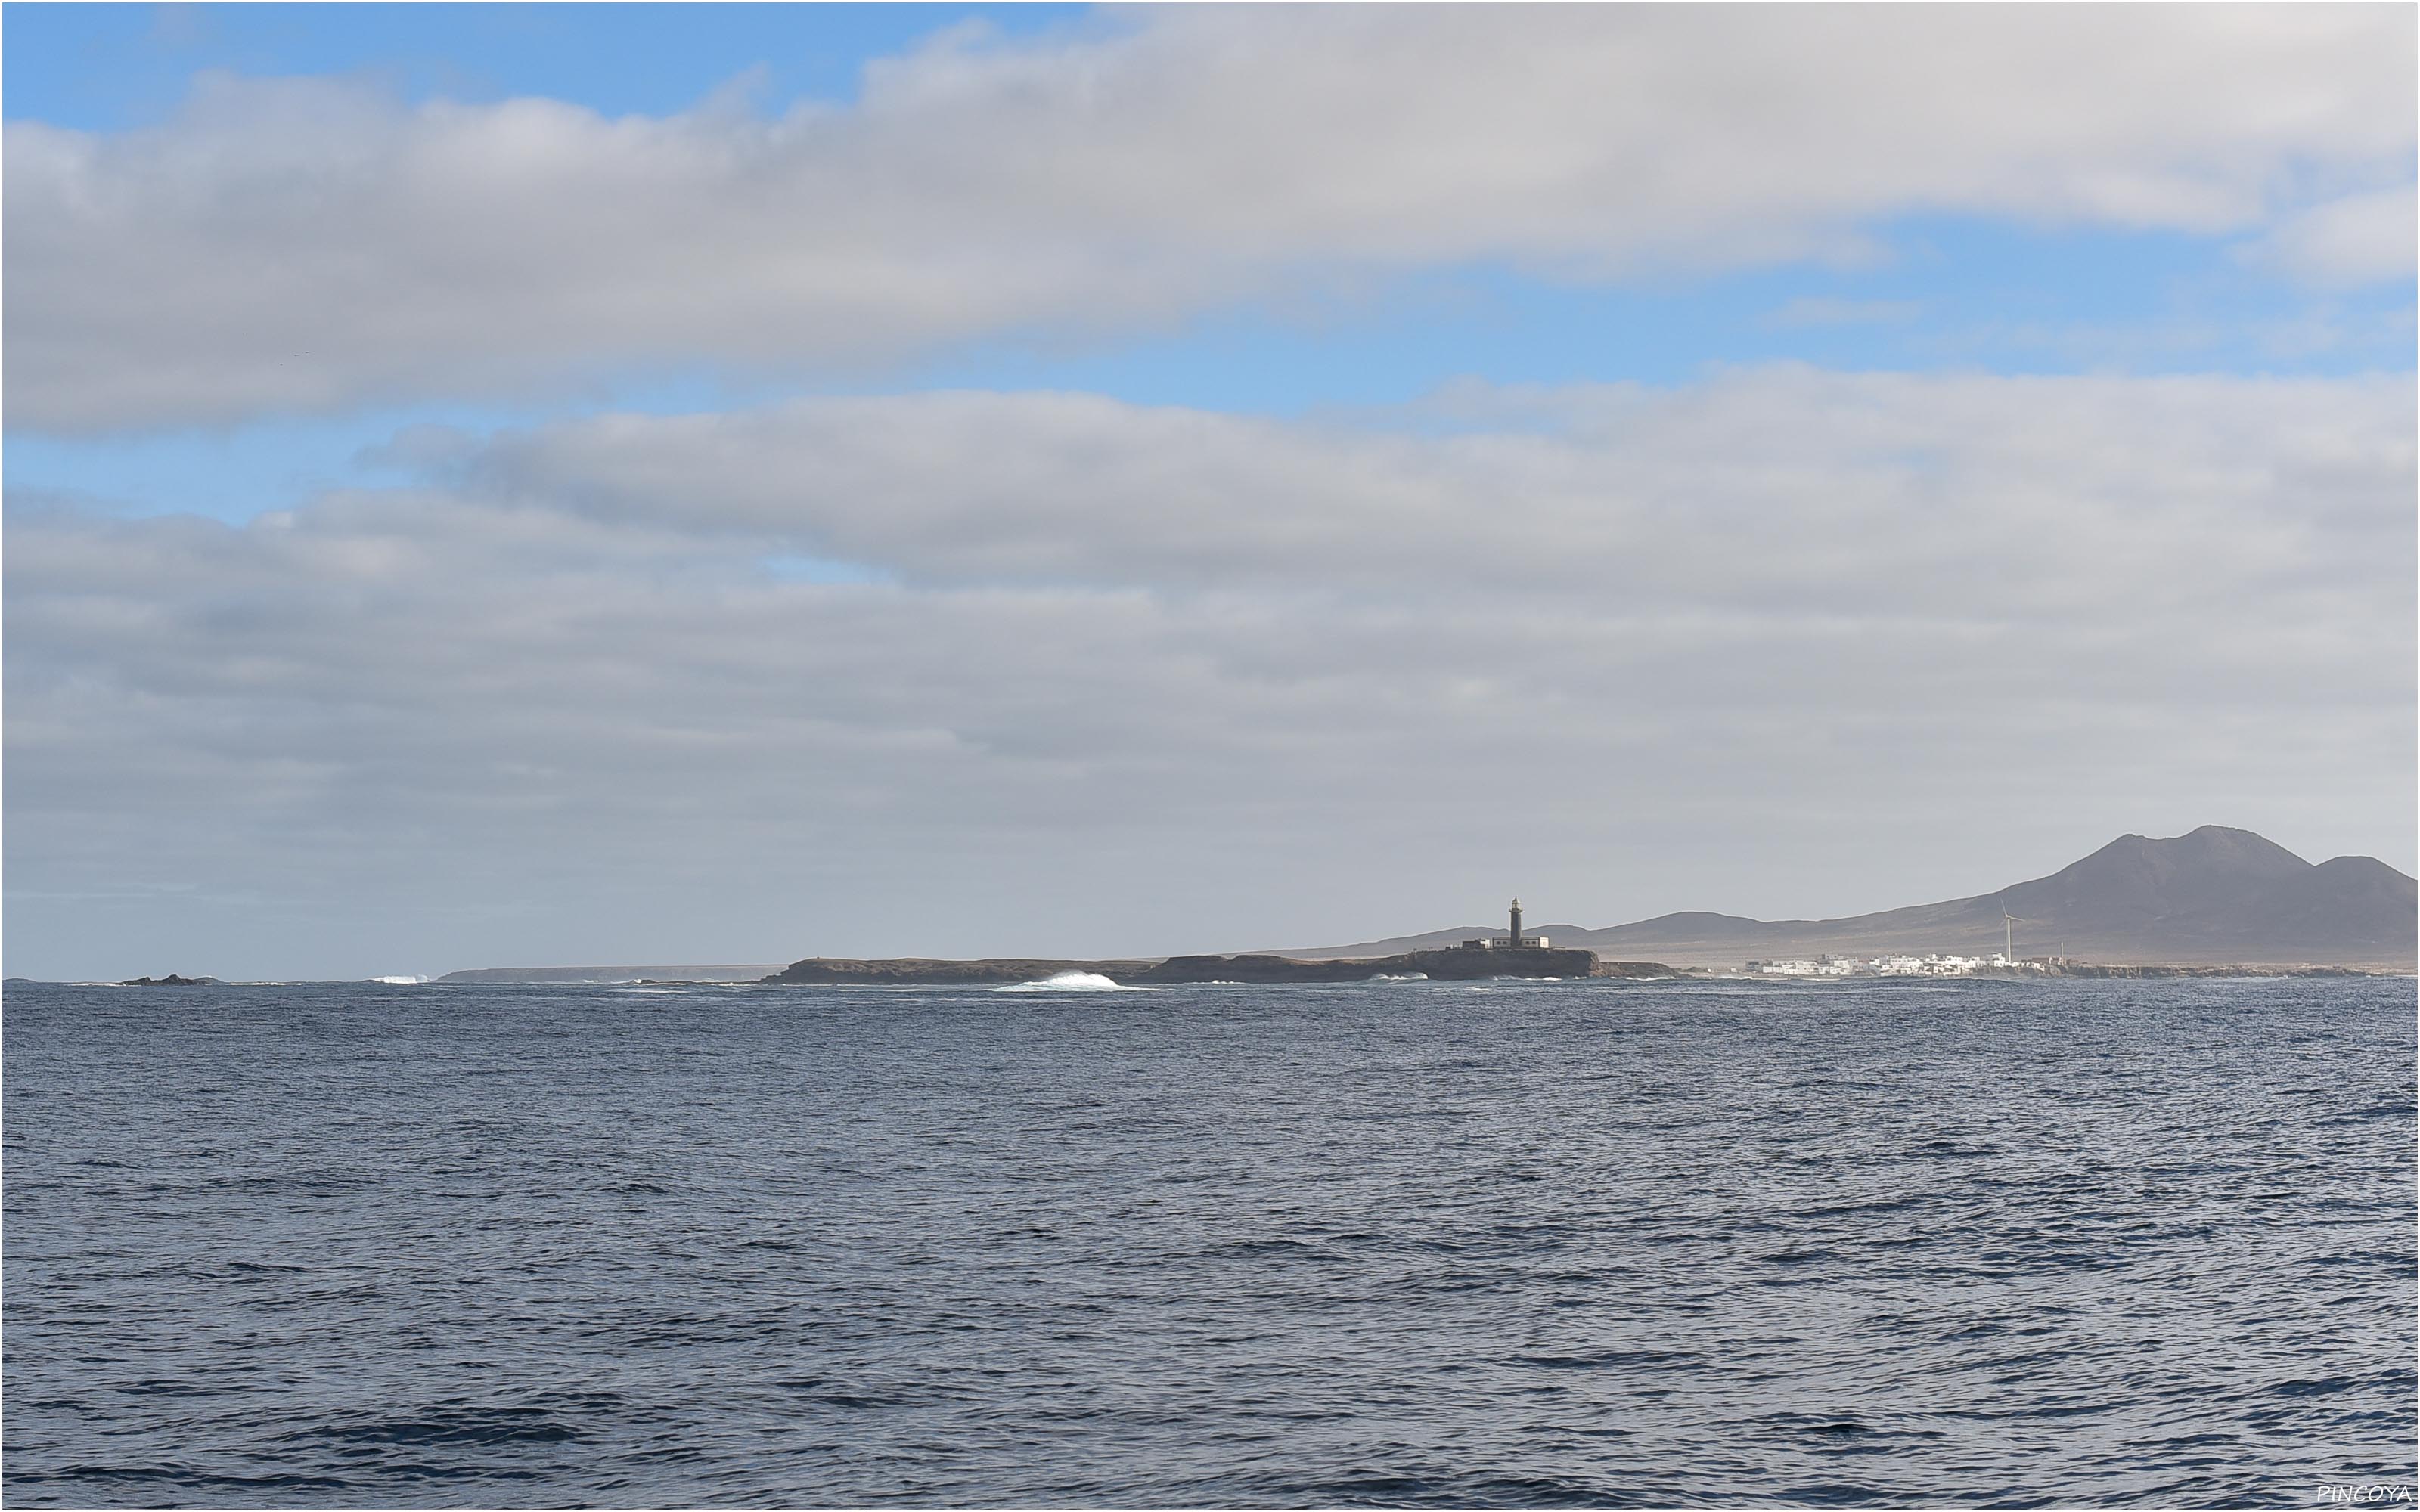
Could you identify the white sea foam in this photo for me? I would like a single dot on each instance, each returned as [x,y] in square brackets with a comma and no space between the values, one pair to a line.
[1069,981]
[1408,975]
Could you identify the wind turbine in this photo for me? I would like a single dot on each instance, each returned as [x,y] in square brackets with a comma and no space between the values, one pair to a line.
[2009,923]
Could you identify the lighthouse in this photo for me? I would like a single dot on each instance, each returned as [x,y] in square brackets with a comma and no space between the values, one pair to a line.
[1511,939]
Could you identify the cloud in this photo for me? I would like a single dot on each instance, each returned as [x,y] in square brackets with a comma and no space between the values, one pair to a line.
[2359,238]
[1934,484]
[308,245]
[1119,678]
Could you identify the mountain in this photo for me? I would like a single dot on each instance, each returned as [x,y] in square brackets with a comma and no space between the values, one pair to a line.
[2214,897]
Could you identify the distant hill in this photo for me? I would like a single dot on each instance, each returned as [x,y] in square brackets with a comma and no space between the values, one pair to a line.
[2214,897]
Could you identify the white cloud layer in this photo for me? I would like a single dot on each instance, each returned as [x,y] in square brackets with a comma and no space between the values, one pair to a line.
[2358,239]
[1137,679]
[300,244]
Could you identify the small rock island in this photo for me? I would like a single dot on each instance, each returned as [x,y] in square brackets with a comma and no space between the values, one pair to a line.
[1510,954]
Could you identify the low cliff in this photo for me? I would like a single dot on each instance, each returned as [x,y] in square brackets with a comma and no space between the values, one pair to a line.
[1263,968]
[1641,970]
[1437,965]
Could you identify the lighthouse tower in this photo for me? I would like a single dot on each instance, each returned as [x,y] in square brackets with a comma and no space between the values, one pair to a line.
[1511,939]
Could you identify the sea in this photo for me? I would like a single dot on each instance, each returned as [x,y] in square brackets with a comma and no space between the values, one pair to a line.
[1401,1243]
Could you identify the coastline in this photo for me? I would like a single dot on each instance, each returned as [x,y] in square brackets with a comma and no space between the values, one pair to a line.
[1437,965]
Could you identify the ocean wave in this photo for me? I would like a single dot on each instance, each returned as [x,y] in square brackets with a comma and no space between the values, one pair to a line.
[1069,981]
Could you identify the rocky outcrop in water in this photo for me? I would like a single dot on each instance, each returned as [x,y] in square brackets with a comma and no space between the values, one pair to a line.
[172,979]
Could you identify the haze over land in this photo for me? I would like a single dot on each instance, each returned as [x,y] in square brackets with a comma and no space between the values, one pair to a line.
[492,485]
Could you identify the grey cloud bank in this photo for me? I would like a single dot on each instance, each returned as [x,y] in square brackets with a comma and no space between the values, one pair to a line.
[305,244]
[1136,680]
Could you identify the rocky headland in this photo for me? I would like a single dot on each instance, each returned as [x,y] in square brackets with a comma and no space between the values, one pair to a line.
[1437,965]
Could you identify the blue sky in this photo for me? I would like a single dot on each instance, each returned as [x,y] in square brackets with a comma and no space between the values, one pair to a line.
[112,67]
[510,484]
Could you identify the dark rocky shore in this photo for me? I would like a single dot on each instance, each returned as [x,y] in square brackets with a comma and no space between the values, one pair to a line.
[1439,966]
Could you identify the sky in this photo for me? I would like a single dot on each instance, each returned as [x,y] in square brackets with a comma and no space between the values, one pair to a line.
[521,485]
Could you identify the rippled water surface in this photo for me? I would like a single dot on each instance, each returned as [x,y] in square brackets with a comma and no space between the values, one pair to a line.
[1593,1243]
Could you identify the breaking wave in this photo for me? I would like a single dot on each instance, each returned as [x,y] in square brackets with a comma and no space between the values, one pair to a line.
[1069,981]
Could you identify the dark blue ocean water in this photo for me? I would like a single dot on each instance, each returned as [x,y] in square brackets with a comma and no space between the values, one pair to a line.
[1550,1243]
